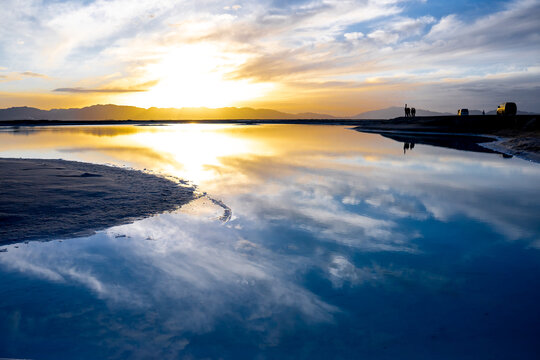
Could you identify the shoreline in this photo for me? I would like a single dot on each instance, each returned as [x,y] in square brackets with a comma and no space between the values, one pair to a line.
[508,135]
[504,145]
[53,199]
[517,135]
[496,144]
[30,123]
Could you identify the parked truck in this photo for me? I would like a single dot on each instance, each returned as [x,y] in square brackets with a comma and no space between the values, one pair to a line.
[507,108]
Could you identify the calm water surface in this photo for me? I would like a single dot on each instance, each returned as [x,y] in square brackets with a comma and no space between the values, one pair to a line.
[339,246]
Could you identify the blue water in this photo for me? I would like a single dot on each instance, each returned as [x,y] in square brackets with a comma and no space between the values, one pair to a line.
[340,246]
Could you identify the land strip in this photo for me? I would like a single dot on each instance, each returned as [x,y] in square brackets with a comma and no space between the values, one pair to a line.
[512,135]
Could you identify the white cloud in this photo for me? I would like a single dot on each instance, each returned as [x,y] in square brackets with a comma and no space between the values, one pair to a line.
[384,36]
[351,200]
[353,36]
[341,271]
[410,26]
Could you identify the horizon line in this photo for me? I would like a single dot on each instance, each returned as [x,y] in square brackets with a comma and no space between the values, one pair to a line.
[224,107]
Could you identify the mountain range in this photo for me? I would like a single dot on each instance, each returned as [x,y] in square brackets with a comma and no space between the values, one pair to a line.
[116,112]
[394,112]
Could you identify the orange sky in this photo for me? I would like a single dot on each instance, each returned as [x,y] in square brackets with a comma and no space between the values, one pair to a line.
[335,57]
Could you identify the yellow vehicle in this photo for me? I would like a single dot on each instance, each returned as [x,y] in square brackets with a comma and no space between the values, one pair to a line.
[463,112]
[508,108]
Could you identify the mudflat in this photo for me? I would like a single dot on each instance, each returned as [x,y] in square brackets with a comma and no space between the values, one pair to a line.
[45,199]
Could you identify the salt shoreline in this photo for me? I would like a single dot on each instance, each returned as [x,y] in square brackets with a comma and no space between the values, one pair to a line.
[513,135]
[50,199]
[523,147]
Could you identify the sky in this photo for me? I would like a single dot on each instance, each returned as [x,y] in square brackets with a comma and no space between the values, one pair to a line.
[339,57]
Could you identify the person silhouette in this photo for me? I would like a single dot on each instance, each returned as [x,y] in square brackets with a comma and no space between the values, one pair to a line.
[483,112]
[413,112]
[406,111]
[407,146]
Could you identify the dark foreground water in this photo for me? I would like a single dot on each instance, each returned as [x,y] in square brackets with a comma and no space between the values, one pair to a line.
[339,246]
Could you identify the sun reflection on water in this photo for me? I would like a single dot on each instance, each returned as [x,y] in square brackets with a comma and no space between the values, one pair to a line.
[196,148]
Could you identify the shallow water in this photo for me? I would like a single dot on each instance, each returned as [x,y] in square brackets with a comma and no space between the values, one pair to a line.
[339,246]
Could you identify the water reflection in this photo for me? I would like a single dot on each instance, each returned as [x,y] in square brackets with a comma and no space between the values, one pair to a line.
[187,275]
[341,183]
[407,146]
[338,247]
[451,141]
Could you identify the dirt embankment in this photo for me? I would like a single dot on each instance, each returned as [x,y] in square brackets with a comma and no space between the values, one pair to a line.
[515,135]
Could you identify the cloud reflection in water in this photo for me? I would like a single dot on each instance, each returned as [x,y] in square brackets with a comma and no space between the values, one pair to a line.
[190,272]
[328,225]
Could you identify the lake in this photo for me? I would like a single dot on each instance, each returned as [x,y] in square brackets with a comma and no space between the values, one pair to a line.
[338,244]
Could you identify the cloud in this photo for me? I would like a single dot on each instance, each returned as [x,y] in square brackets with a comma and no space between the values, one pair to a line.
[422,50]
[16,76]
[400,29]
[199,265]
[515,27]
[136,88]
[353,36]
[383,36]
[112,91]
[234,7]
[350,200]
[341,271]
[312,206]
[33,74]
[411,26]
[365,211]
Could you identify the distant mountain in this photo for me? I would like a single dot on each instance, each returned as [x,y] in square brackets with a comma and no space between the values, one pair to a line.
[394,112]
[16,113]
[115,112]
[475,112]
[310,115]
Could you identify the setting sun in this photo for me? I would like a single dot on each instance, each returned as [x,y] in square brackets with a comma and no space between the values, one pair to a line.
[195,75]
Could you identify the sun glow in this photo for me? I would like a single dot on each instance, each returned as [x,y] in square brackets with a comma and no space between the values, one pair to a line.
[196,76]
[197,148]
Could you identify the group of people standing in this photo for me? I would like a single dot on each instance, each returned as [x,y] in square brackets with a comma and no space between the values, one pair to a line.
[407,146]
[409,112]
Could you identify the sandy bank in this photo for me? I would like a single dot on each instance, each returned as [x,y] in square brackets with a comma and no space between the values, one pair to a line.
[523,145]
[513,135]
[47,199]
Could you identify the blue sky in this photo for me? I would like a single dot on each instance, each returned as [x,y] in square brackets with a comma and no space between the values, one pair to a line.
[338,57]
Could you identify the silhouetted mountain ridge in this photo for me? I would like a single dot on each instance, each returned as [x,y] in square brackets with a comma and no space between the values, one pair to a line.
[116,112]
[394,112]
